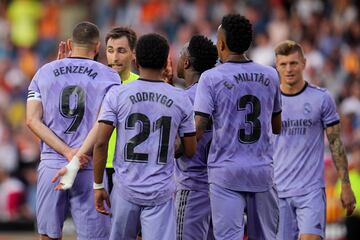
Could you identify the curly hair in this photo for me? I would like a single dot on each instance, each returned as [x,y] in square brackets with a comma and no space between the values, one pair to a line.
[238,32]
[152,51]
[203,53]
[120,32]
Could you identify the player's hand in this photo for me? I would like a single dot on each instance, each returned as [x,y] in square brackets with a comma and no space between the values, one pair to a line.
[102,196]
[168,73]
[348,199]
[58,175]
[67,174]
[70,153]
[84,160]
[63,50]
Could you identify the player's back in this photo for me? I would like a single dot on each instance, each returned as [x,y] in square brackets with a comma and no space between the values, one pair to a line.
[244,97]
[149,115]
[71,90]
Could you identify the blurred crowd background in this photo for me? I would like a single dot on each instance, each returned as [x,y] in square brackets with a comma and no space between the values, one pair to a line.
[30,30]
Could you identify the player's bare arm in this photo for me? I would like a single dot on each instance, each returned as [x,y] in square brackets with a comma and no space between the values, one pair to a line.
[341,164]
[189,145]
[179,146]
[34,113]
[69,172]
[100,155]
[201,123]
[276,123]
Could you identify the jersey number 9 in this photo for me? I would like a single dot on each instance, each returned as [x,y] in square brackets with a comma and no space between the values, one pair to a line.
[77,112]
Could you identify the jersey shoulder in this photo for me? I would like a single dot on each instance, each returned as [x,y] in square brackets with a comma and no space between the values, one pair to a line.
[314,94]
[105,69]
[316,88]
[266,69]
[175,89]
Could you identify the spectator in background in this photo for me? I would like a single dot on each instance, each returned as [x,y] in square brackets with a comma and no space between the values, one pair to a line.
[4,33]
[263,52]
[24,18]
[350,108]
[29,175]
[8,152]
[335,230]
[71,12]
[334,211]
[49,27]
[11,197]
[353,222]
[278,26]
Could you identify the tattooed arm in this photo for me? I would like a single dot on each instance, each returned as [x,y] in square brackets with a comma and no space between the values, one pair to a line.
[201,123]
[341,164]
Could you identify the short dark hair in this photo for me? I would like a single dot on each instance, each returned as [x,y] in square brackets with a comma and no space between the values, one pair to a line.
[203,53]
[120,32]
[86,33]
[288,47]
[152,51]
[238,32]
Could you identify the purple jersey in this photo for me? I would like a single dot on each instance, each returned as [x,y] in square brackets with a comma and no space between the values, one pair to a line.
[71,91]
[299,150]
[147,115]
[241,98]
[191,173]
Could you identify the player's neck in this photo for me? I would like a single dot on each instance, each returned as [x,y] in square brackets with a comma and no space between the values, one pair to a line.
[235,57]
[125,75]
[191,77]
[82,53]
[292,89]
[151,74]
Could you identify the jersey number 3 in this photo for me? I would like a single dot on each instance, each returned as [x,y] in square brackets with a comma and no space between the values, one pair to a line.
[162,124]
[251,119]
[72,105]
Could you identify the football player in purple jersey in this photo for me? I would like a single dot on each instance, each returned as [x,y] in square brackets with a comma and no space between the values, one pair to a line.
[149,113]
[308,112]
[63,103]
[243,100]
[192,192]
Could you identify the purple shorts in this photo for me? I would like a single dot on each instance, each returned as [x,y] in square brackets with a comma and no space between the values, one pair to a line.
[52,207]
[192,215]
[157,222]
[228,208]
[305,214]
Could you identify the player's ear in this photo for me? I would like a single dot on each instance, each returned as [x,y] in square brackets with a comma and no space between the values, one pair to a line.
[97,48]
[222,45]
[133,55]
[136,64]
[187,64]
[304,62]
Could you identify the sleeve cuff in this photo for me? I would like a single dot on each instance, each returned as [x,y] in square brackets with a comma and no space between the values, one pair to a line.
[190,134]
[332,123]
[201,114]
[276,113]
[106,122]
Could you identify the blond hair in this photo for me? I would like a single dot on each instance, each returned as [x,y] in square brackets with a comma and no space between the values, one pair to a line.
[287,47]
